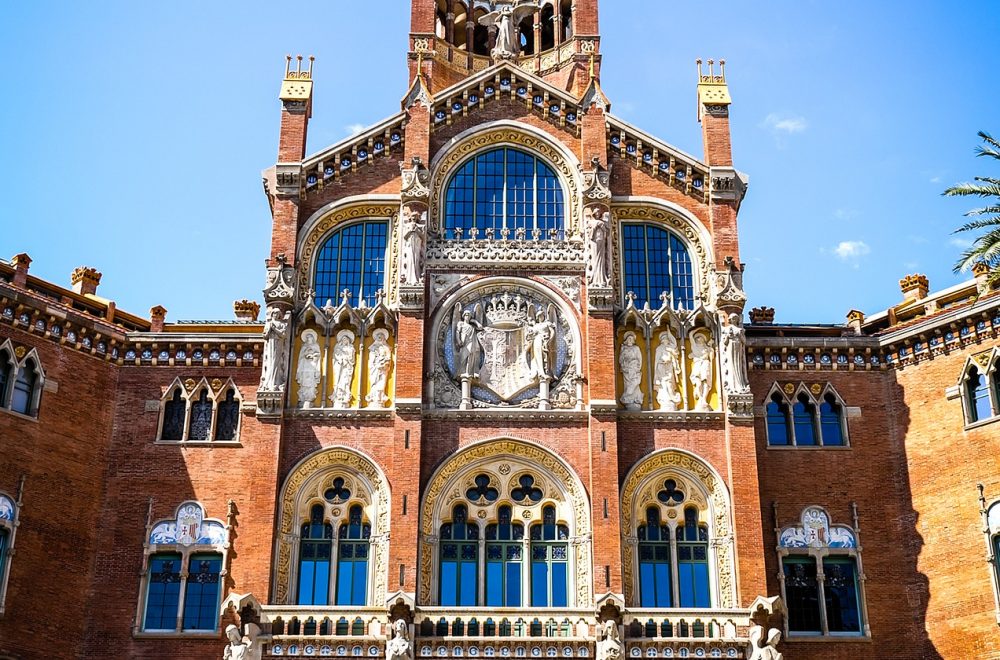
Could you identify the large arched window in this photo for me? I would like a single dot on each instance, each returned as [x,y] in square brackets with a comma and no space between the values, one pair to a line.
[459,560]
[352,258]
[655,261]
[315,548]
[692,561]
[549,561]
[504,193]
[655,561]
[504,561]
[352,559]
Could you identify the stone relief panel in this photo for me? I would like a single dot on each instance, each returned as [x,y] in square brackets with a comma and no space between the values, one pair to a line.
[815,531]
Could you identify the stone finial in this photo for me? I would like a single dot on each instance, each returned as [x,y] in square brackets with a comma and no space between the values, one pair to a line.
[762,315]
[854,319]
[157,315]
[85,280]
[914,287]
[981,271]
[20,262]
[246,310]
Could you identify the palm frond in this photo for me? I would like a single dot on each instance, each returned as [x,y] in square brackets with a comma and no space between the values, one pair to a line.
[988,139]
[973,189]
[984,210]
[988,223]
[987,179]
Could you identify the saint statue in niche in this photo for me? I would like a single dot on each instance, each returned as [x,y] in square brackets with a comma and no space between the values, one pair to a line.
[307,372]
[379,362]
[667,372]
[343,369]
[630,362]
[414,226]
[598,231]
[701,369]
[734,356]
[275,356]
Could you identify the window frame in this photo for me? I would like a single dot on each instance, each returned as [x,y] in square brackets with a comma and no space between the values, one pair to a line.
[191,396]
[987,368]
[356,296]
[14,367]
[335,522]
[670,275]
[813,403]
[9,524]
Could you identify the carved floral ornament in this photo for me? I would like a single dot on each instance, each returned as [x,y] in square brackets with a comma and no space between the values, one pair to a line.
[505,462]
[642,488]
[315,479]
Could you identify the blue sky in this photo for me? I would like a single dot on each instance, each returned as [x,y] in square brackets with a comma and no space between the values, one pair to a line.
[133,134]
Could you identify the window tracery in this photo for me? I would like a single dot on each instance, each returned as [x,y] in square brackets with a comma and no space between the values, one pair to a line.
[805,416]
[980,387]
[200,411]
[21,379]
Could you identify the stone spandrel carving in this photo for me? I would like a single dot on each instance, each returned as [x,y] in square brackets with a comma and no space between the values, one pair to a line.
[667,372]
[413,230]
[279,284]
[399,646]
[630,363]
[702,372]
[379,363]
[734,357]
[598,248]
[416,180]
[307,371]
[343,370]
[596,182]
[274,360]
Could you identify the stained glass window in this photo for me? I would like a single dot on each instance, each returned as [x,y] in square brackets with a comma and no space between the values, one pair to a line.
[459,560]
[173,417]
[831,422]
[504,189]
[201,595]
[655,580]
[843,612]
[352,258]
[549,561]
[24,387]
[802,593]
[979,396]
[315,549]
[692,562]
[803,412]
[352,559]
[201,417]
[163,592]
[228,417]
[504,547]
[656,261]
[777,421]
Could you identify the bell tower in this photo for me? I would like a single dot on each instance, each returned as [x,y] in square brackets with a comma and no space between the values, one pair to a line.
[453,39]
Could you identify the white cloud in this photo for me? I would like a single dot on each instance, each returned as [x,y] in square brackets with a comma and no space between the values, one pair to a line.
[935,179]
[784,124]
[916,238]
[354,129]
[958,242]
[851,251]
[845,214]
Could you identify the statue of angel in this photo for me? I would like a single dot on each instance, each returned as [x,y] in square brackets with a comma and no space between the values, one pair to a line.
[243,647]
[538,335]
[272,377]
[465,327]
[764,650]
[506,17]
[399,646]
[414,226]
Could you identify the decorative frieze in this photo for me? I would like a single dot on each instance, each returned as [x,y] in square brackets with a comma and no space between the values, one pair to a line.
[511,253]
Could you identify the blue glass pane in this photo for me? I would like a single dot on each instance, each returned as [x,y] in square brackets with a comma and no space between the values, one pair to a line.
[803,420]
[307,578]
[841,587]
[656,261]
[449,583]
[201,598]
[558,585]
[777,425]
[360,591]
[494,584]
[980,395]
[513,585]
[489,192]
[685,580]
[468,595]
[829,418]
[539,584]
[701,590]
[163,592]
[352,258]
[802,591]
[647,585]
[664,593]
[520,190]
[24,384]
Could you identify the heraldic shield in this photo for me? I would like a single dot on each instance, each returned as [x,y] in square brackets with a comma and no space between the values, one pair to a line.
[505,370]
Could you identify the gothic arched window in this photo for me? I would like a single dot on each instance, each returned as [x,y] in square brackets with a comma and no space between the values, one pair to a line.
[655,581]
[228,418]
[315,548]
[22,398]
[777,421]
[352,559]
[504,561]
[459,560]
[656,261]
[174,412]
[201,417]
[979,396]
[352,258]
[803,412]
[692,561]
[6,369]
[549,561]
[831,421]
[504,193]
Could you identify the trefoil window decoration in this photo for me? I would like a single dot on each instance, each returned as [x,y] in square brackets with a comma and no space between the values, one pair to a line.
[980,387]
[656,261]
[21,379]
[200,411]
[352,258]
[504,193]
[822,581]
[183,571]
[9,511]
[813,416]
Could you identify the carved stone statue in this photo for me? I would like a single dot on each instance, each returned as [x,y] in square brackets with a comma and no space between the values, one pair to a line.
[734,356]
[379,362]
[610,647]
[538,335]
[307,372]
[465,327]
[399,646]
[343,369]
[701,369]
[275,357]
[243,647]
[414,227]
[505,18]
[761,649]
[598,231]
[667,373]
[630,362]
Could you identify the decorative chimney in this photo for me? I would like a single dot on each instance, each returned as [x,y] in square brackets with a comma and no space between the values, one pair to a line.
[914,287]
[762,315]
[20,263]
[85,280]
[981,270]
[157,315]
[854,320]
[246,310]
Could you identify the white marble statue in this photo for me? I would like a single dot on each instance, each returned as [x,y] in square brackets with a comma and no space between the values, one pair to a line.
[734,356]
[307,372]
[506,17]
[610,647]
[761,649]
[630,362]
[465,327]
[701,369]
[667,372]
[343,369]
[413,231]
[275,357]
[598,233]
[538,335]
[379,362]
[399,647]
[243,647]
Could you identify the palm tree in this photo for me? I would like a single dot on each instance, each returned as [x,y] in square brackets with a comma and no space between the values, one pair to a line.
[986,247]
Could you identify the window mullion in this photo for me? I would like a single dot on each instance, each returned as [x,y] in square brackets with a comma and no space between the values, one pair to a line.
[481,571]
[821,594]
[331,590]
[181,597]
[675,572]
